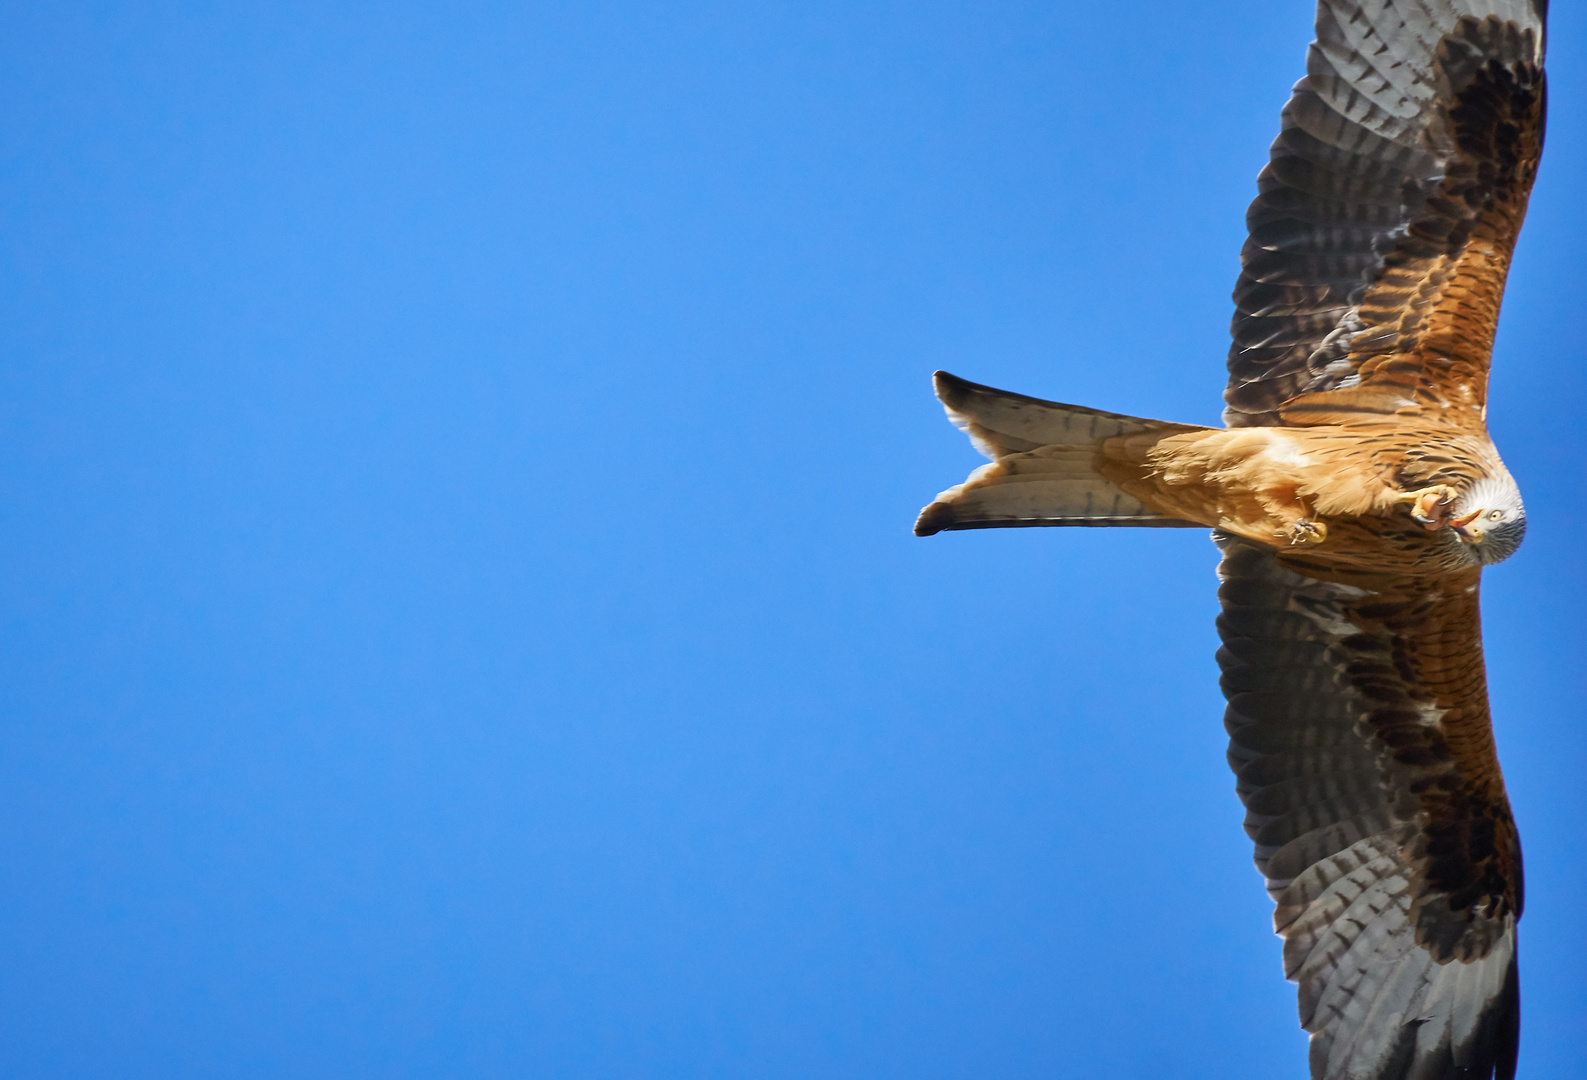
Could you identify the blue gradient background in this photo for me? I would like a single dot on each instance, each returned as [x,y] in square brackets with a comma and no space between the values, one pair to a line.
[458,616]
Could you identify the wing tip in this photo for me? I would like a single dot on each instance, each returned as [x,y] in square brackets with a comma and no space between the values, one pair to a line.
[1507,1023]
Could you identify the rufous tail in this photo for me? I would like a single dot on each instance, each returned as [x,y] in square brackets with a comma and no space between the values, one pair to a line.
[1046,464]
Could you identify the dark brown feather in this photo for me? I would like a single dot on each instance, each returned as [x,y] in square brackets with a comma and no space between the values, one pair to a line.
[1381,237]
[1360,737]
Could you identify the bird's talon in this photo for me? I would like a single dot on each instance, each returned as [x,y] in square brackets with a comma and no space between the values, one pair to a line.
[1430,507]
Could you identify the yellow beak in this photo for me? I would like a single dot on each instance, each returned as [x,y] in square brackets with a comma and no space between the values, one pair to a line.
[1459,525]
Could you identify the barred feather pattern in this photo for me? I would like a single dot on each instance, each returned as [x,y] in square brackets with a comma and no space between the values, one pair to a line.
[1381,234]
[1361,743]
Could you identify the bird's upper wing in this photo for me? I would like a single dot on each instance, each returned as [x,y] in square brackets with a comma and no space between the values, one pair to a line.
[1381,238]
[1360,738]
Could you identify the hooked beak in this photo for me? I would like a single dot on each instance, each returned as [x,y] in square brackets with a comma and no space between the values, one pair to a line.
[1470,536]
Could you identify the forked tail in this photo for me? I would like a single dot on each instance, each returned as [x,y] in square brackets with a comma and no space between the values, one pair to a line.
[1046,467]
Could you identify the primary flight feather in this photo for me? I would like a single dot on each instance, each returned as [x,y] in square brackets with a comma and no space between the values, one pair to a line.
[1356,497]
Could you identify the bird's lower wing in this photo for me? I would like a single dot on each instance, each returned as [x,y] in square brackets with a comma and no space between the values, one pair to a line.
[1360,737]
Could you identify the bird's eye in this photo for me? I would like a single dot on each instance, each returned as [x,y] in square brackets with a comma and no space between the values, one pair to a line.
[1495,515]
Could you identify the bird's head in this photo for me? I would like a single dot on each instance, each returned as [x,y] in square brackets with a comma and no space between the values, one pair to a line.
[1488,520]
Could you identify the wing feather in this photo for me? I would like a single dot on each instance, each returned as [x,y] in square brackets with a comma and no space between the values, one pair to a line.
[1362,749]
[1381,234]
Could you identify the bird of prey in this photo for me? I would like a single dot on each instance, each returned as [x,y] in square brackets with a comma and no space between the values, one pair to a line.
[1356,497]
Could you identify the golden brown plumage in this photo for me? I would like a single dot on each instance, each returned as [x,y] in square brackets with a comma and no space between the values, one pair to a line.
[1356,497]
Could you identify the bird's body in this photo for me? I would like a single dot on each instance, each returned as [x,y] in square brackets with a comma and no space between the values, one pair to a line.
[1268,484]
[1356,496]
[1335,499]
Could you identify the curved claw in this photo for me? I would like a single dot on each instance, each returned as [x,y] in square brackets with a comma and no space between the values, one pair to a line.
[1430,507]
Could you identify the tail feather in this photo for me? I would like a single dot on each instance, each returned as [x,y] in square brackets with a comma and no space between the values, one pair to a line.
[1045,470]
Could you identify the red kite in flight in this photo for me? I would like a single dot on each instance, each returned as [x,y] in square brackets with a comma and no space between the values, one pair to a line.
[1356,498]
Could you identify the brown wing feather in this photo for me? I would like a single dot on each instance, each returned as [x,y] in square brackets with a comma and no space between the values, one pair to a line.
[1381,238]
[1360,737]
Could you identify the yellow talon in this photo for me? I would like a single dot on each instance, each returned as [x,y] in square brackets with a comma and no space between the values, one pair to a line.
[1430,507]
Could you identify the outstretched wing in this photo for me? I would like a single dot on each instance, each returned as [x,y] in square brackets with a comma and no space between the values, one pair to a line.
[1381,238]
[1359,734]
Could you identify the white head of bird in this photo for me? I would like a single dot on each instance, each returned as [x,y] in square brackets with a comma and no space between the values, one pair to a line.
[1488,520]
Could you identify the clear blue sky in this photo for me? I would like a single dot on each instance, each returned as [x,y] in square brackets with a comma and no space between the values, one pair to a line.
[458,615]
